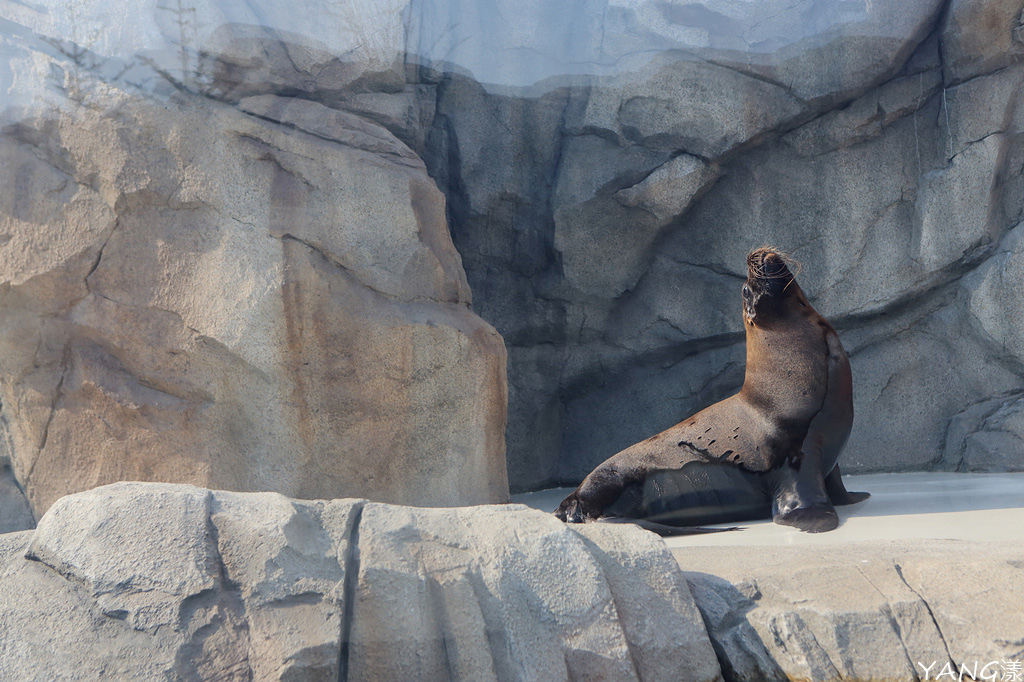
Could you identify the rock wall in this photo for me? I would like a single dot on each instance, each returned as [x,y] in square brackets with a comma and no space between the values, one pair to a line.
[604,220]
[607,165]
[255,296]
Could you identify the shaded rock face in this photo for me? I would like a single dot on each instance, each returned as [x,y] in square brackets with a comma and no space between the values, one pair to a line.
[881,148]
[607,166]
[146,581]
[15,514]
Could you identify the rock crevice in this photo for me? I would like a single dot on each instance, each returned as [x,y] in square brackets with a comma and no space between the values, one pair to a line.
[873,610]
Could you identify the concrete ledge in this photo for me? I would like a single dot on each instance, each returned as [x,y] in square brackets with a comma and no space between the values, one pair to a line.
[915,506]
[928,572]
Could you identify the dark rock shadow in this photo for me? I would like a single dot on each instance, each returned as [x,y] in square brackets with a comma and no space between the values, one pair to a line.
[741,652]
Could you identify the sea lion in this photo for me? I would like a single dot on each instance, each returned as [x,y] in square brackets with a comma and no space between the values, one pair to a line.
[771,448]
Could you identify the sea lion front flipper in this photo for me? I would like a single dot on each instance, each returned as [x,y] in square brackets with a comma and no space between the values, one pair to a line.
[597,491]
[837,492]
[576,508]
[617,477]
[800,499]
[818,518]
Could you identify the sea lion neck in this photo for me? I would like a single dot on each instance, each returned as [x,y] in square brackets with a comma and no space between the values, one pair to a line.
[780,326]
[785,350]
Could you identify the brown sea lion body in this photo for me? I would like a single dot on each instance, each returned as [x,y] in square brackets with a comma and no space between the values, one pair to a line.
[771,448]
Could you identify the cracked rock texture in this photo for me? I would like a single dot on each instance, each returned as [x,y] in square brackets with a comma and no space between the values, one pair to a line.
[162,581]
[880,145]
[881,610]
[252,297]
[607,166]
[159,581]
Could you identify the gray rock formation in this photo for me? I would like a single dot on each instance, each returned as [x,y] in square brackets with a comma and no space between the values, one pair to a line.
[881,147]
[607,165]
[894,612]
[147,581]
[224,260]
[154,581]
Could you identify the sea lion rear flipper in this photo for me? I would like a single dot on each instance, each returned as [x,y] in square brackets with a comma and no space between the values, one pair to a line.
[837,492]
[817,518]
[800,498]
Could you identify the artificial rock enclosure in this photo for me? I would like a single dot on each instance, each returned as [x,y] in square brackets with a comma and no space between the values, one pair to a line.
[227,259]
[424,253]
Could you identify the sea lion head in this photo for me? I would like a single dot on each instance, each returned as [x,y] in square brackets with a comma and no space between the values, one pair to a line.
[769,283]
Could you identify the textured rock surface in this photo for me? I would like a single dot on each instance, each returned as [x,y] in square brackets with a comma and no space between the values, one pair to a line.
[200,585]
[146,580]
[607,166]
[880,610]
[884,152]
[260,297]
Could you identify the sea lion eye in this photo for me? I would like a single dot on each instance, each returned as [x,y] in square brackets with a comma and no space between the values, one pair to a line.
[746,291]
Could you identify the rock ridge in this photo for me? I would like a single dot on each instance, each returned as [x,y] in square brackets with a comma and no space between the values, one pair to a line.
[153,580]
[202,584]
[868,610]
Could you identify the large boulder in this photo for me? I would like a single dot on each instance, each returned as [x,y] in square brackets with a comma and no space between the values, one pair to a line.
[253,297]
[148,581]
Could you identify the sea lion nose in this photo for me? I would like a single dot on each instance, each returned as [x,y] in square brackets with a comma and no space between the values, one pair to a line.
[772,265]
[764,260]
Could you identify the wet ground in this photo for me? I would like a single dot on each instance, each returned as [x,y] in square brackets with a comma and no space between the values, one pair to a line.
[914,506]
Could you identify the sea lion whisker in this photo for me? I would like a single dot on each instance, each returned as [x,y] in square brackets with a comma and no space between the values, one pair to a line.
[758,259]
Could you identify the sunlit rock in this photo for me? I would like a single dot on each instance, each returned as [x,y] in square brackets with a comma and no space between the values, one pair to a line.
[209,584]
[255,302]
